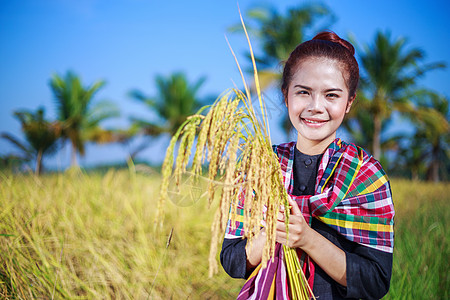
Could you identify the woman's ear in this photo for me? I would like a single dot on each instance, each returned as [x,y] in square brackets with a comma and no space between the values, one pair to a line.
[285,97]
[349,104]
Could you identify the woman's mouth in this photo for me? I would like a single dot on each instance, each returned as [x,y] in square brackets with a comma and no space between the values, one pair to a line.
[314,122]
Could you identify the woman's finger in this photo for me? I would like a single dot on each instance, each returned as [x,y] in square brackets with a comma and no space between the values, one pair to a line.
[295,220]
[295,210]
[280,217]
[281,237]
[281,226]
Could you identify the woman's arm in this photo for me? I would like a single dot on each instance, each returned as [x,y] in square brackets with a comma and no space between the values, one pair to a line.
[368,273]
[236,260]
[233,258]
[364,271]
[328,256]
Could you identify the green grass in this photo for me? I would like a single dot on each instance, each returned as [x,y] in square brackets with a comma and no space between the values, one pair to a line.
[91,236]
[421,251]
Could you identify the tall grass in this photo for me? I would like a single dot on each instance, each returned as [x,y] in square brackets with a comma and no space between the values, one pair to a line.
[83,236]
[422,241]
[79,236]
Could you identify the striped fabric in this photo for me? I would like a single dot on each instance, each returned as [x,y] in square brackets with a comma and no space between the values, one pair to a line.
[352,195]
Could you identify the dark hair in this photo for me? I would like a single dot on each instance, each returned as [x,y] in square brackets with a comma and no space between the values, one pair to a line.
[326,44]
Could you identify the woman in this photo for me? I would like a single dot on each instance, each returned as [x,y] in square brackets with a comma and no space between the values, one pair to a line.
[341,220]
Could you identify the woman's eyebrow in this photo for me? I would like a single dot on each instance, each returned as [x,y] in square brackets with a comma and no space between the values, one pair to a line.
[333,90]
[303,87]
[309,89]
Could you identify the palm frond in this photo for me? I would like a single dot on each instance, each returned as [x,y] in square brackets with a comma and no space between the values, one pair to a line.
[25,149]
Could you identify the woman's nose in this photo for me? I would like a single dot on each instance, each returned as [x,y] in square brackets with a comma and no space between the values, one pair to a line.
[316,104]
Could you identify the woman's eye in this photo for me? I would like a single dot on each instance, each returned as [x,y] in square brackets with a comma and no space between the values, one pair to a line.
[303,93]
[331,95]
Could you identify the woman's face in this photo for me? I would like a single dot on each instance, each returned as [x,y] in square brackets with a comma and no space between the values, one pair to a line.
[317,101]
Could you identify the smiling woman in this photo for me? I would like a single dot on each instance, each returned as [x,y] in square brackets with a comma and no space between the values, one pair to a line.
[340,220]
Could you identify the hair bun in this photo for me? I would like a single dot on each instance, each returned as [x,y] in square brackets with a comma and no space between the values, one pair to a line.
[333,37]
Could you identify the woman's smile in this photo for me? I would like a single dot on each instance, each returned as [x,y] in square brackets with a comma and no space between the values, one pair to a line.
[314,123]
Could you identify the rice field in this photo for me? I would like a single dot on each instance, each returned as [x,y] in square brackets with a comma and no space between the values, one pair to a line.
[92,236]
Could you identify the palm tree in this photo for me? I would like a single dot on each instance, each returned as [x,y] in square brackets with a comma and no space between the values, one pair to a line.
[175,101]
[41,137]
[390,73]
[278,35]
[359,124]
[79,117]
[433,131]
[410,159]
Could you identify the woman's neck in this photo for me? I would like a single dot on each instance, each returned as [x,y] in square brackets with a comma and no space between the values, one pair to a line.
[310,147]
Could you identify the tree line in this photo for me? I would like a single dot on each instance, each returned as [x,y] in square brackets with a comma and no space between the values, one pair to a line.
[390,73]
[79,117]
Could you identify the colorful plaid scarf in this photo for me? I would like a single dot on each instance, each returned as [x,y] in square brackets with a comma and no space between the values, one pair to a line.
[352,195]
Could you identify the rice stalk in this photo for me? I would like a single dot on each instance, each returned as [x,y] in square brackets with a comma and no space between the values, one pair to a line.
[238,148]
[236,141]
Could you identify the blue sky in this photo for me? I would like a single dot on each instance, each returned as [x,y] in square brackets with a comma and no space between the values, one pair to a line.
[127,43]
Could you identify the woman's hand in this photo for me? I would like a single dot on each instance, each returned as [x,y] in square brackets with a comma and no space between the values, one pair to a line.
[254,255]
[299,230]
[327,255]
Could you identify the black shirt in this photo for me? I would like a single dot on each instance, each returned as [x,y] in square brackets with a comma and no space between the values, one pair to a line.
[368,270]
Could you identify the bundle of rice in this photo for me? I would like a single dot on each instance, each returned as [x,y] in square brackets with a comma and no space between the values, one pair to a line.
[237,146]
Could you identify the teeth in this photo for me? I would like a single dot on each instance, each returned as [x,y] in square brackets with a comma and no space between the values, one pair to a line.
[313,122]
